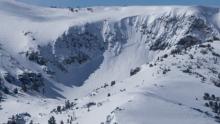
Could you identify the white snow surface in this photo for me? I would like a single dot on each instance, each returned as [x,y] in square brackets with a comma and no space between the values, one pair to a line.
[148,97]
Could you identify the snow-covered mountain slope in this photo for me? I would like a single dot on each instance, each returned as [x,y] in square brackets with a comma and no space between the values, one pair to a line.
[125,65]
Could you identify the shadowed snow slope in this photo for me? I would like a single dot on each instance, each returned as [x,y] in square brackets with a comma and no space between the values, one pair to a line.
[122,64]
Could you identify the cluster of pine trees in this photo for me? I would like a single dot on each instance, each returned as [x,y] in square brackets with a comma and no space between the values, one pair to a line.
[213,103]
[68,105]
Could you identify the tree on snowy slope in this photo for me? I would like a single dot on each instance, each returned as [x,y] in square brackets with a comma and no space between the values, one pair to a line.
[1,97]
[12,120]
[31,80]
[52,120]
[1,82]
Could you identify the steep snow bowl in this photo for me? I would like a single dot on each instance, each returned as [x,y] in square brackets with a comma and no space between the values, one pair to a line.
[101,49]
[95,53]
[120,67]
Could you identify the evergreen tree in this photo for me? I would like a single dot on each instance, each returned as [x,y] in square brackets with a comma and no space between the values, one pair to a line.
[12,120]
[58,108]
[31,122]
[15,91]
[112,83]
[24,87]
[67,104]
[206,96]
[213,97]
[1,96]
[5,90]
[52,120]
